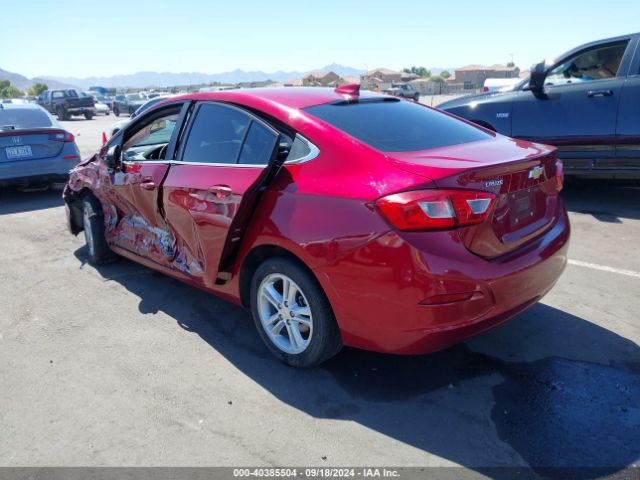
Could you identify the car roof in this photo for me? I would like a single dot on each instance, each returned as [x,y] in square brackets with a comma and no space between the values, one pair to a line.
[23,106]
[290,97]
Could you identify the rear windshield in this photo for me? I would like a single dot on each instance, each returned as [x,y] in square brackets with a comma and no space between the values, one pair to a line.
[397,126]
[15,118]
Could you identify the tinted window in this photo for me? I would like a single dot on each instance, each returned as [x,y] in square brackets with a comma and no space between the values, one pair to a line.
[258,145]
[397,126]
[216,135]
[24,118]
[299,150]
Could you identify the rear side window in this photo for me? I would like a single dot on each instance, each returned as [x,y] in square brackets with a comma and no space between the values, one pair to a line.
[15,118]
[397,126]
[216,135]
[258,145]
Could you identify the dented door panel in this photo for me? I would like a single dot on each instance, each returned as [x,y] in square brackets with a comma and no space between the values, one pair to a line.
[199,213]
[140,227]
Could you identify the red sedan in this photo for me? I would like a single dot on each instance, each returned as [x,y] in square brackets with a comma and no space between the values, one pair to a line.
[338,217]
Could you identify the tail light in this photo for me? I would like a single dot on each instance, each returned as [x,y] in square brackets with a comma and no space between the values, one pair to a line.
[435,209]
[61,137]
[485,89]
[559,174]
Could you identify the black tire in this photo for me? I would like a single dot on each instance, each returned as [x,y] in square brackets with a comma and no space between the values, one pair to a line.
[416,97]
[324,337]
[88,115]
[93,226]
[62,114]
[116,112]
[131,110]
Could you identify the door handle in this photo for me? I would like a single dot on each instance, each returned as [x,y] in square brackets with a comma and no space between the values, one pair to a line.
[599,93]
[147,184]
[221,191]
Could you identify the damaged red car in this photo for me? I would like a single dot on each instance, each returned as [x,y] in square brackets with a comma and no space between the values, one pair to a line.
[338,217]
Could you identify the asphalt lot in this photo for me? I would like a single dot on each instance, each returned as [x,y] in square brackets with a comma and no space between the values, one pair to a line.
[119,365]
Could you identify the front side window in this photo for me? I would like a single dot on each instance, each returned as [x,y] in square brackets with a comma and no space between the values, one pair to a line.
[393,125]
[150,141]
[216,135]
[57,95]
[596,64]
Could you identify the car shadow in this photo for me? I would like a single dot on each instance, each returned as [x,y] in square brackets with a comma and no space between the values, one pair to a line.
[548,391]
[16,201]
[606,200]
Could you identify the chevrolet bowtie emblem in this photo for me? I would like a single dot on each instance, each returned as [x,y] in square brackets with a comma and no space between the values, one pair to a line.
[536,172]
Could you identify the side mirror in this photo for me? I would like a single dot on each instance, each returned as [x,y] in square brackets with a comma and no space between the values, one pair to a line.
[536,80]
[112,158]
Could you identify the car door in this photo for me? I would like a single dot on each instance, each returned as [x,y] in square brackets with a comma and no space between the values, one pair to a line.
[628,124]
[577,111]
[146,148]
[227,153]
[119,99]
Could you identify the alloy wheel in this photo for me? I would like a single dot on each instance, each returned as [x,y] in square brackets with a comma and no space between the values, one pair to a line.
[285,314]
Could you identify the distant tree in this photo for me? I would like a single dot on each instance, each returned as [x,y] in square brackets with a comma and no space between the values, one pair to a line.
[445,74]
[437,79]
[9,91]
[420,71]
[37,88]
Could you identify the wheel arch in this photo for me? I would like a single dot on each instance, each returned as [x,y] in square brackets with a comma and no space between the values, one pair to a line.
[255,257]
[74,202]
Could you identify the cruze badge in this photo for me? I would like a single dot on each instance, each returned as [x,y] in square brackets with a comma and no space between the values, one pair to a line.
[535,172]
[494,183]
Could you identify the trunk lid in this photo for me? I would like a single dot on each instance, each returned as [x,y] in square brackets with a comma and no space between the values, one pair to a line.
[521,174]
[33,144]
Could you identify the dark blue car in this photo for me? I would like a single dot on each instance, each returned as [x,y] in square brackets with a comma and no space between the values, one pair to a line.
[34,148]
[586,102]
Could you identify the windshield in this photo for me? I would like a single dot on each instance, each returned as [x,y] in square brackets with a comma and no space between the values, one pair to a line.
[16,118]
[397,126]
[134,97]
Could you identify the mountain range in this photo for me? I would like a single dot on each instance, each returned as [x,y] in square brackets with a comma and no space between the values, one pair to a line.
[23,83]
[165,79]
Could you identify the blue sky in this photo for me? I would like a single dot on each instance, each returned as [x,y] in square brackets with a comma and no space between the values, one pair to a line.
[118,37]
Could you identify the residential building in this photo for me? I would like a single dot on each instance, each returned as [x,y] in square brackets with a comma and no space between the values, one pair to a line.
[379,77]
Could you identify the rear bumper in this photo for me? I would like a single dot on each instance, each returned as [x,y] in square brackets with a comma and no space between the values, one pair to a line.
[81,110]
[378,293]
[37,171]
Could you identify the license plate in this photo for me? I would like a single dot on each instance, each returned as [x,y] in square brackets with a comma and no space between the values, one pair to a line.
[523,209]
[23,151]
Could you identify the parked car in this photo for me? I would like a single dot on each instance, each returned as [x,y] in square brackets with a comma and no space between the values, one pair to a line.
[585,103]
[337,217]
[66,103]
[34,148]
[100,106]
[127,103]
[403,90]
[117,126]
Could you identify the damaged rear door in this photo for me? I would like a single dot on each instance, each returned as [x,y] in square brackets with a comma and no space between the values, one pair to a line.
[209,194]
[146,149]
